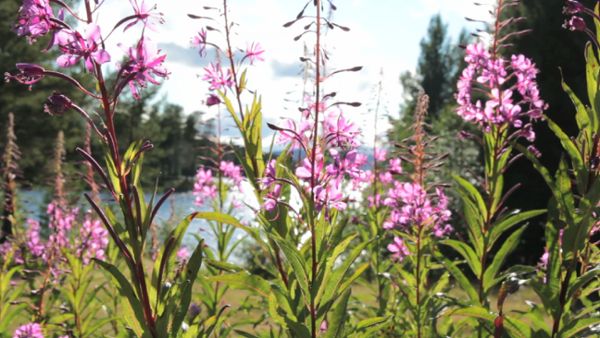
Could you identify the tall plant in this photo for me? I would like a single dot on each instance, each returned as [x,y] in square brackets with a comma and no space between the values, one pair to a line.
[157,299]
[568,277]
[310,293]
[10,167]
[500,95]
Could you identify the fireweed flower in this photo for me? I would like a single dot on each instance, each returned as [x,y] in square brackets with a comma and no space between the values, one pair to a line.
[254,52]
[34,244]
[339,131]
[30,330]
[398,249]
[34,19]
[204,187]
[232,171]
[86,45]
[411,206]
[513,97]
[94,240]
[145,14]
[144,64]
[217,79]
[183,254]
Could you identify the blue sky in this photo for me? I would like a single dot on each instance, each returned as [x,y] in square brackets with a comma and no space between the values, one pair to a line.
[384,38]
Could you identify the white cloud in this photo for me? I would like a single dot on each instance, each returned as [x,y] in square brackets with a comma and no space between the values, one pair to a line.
[383,36]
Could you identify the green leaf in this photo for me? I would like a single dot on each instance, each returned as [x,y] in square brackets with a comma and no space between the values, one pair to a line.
[244,280]
[464,283]
[592,71]
[136,322]
[489,276]
[467,253]
[338,317]
[472,193]
[576,327]
[582,280]
[190,274]
[582,114]
[295,259]
[580,170]
[506,223]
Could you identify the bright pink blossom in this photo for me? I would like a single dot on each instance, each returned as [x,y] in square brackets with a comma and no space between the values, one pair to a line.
[34,19]
[93,240]
[217,79]
[514,103]
[144,64]
[76,46]
[30,330]
[254,52]
[145,14]
[35,246]
[232,171]
[204,187]
[398,249]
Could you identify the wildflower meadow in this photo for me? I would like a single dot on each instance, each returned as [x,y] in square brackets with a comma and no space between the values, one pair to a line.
[475,212]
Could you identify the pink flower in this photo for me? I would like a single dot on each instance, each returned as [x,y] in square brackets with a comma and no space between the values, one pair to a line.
[380,154]
[509,103]
[411,206]
[269,174]
[34,19]
[199,41]
[94,240]
[35,246]
[144,64]
[395,166]
[254,52]
[145,14]
[183,254]
[214,75]
[75,46]
[30,330]
[270,200]
[204,187]
[296,134]
[340,132]
[398,249]
[230,170]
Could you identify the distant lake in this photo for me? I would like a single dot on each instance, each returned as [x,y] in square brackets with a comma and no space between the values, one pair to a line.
[32,203]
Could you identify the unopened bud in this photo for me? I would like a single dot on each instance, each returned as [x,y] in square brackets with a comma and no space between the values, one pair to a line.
[57,104]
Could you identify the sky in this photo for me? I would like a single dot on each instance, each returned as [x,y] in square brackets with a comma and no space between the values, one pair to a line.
[384,38]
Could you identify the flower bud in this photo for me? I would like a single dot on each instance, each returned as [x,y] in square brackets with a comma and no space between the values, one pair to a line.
[573,7]
[212,100]
[57,104]
[575,24]
[29,73]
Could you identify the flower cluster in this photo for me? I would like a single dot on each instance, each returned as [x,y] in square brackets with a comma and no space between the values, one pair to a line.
[145,62]
[30,330]
[205,187]
[512,97]
[222,78]
[326,176]
[35,19]
[94,240]
[86,43]
[412,206]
